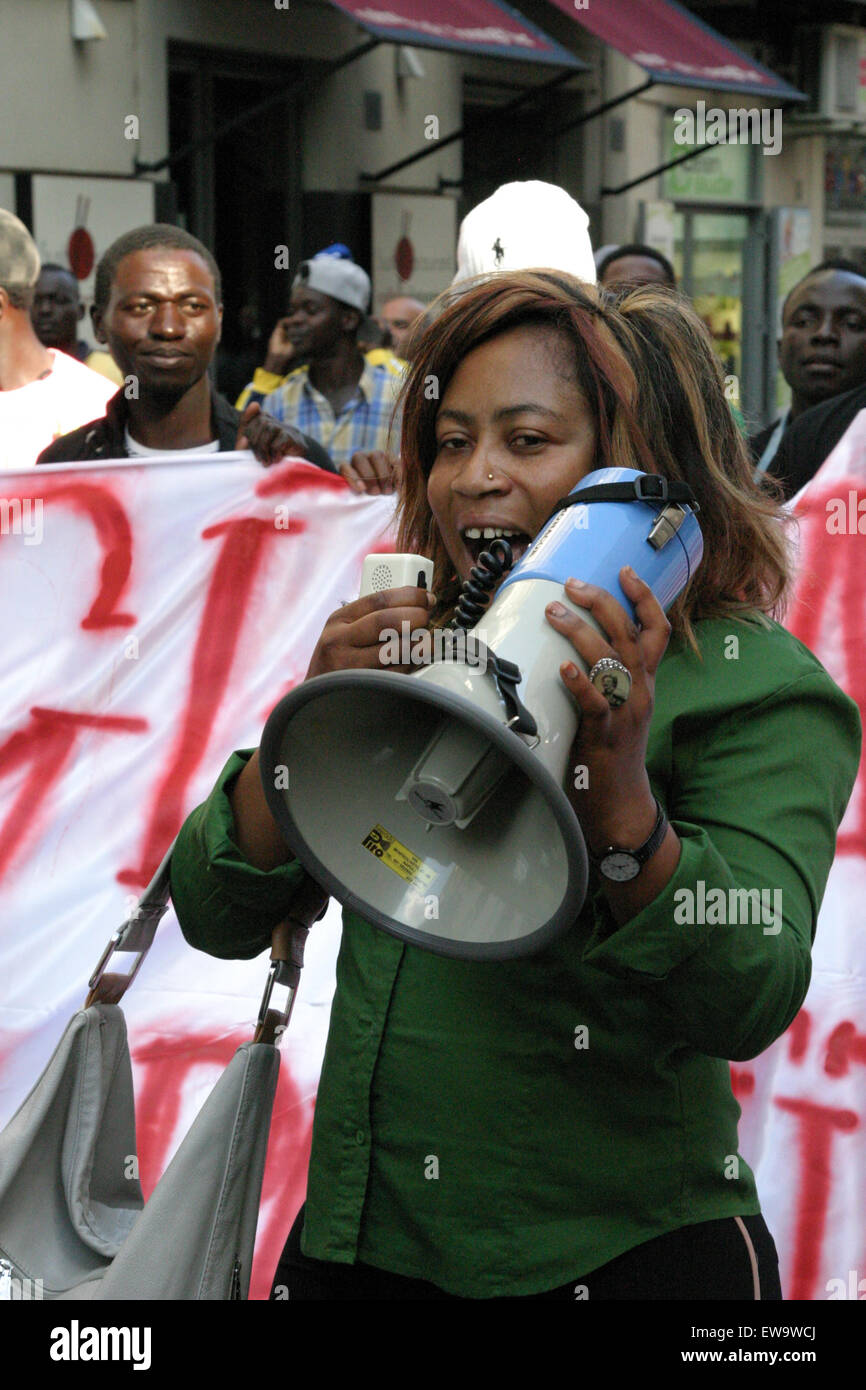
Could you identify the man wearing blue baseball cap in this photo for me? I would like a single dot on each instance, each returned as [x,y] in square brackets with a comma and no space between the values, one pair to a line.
[344,401]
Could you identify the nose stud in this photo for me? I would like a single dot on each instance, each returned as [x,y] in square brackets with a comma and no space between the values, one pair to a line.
[490,476]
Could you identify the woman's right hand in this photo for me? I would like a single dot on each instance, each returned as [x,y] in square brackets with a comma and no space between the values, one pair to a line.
[353,636]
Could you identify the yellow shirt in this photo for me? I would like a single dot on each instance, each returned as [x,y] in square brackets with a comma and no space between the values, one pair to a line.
[264,382]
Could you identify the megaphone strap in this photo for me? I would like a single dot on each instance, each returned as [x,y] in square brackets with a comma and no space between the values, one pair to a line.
[135,936]
[508,676]
[649,487]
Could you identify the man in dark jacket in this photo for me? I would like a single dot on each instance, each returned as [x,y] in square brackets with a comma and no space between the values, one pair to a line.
[810,440]
[157,307]
[822,355]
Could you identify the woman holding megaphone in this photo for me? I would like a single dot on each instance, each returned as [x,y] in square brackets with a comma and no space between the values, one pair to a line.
[562,1126]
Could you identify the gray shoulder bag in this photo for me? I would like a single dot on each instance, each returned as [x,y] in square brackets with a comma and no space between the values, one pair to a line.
[72,1224]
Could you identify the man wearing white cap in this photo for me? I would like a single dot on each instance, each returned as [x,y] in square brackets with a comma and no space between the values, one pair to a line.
[337,397]
[523,226]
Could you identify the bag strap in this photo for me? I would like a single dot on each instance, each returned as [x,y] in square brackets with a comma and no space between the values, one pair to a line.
[287,958]
[287,948]
[136,935]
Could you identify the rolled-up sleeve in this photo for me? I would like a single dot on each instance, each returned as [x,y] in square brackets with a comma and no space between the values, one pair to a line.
[225,905]
[725,946]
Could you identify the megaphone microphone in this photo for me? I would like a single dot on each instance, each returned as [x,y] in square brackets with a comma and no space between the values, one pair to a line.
[433,803]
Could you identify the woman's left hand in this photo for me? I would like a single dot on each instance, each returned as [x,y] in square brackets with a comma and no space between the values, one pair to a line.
[607,779]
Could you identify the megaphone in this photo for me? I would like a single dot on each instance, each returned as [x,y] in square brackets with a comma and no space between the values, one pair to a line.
[433,803]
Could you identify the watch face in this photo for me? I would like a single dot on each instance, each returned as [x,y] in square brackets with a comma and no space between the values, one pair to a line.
[619,866]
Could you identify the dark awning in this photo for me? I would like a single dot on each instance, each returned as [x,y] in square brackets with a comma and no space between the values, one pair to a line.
[674,47]
[470,26]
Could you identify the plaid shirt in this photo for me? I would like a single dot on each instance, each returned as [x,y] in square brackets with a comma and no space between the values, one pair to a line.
[363,423]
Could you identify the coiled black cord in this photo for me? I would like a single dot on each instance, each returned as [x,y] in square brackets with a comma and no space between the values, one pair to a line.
[492,564]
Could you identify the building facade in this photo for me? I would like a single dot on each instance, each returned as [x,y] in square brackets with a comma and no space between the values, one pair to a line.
[270,129]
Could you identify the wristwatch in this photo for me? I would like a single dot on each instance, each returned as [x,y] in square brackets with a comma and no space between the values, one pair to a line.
[620,865]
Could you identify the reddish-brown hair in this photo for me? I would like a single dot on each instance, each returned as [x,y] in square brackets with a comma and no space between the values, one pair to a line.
[655,388]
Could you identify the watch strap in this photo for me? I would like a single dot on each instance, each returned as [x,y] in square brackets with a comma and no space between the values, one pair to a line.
[644,851]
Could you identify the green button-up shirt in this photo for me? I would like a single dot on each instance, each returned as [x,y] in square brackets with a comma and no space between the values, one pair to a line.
[500,1128]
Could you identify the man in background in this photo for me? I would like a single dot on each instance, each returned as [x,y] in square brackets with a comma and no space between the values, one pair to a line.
[822,356]
[336,396]
[56,313]
[158,306]
[397,319]
[635,264]
[43,392]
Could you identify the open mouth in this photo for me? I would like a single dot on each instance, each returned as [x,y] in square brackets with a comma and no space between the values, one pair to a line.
[479,538]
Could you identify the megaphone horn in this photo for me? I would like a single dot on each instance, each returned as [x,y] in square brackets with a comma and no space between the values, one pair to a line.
[433,804]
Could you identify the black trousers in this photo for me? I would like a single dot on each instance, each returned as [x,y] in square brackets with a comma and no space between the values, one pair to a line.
[732,1259]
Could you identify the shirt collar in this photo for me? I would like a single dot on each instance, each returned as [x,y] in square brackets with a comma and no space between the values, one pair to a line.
[368,382]
[368,385]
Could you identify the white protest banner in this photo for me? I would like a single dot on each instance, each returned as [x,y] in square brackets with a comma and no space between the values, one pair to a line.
[804,1100]
[153,614]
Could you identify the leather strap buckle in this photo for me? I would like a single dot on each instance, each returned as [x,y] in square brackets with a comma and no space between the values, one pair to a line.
[287,959]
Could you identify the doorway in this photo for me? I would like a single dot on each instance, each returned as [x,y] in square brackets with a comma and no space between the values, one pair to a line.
[719,258]
[239,193]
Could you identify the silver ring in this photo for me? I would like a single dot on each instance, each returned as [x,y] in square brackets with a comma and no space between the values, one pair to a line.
[612,680]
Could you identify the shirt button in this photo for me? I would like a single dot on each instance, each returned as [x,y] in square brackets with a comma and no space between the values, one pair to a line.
[360,1137]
